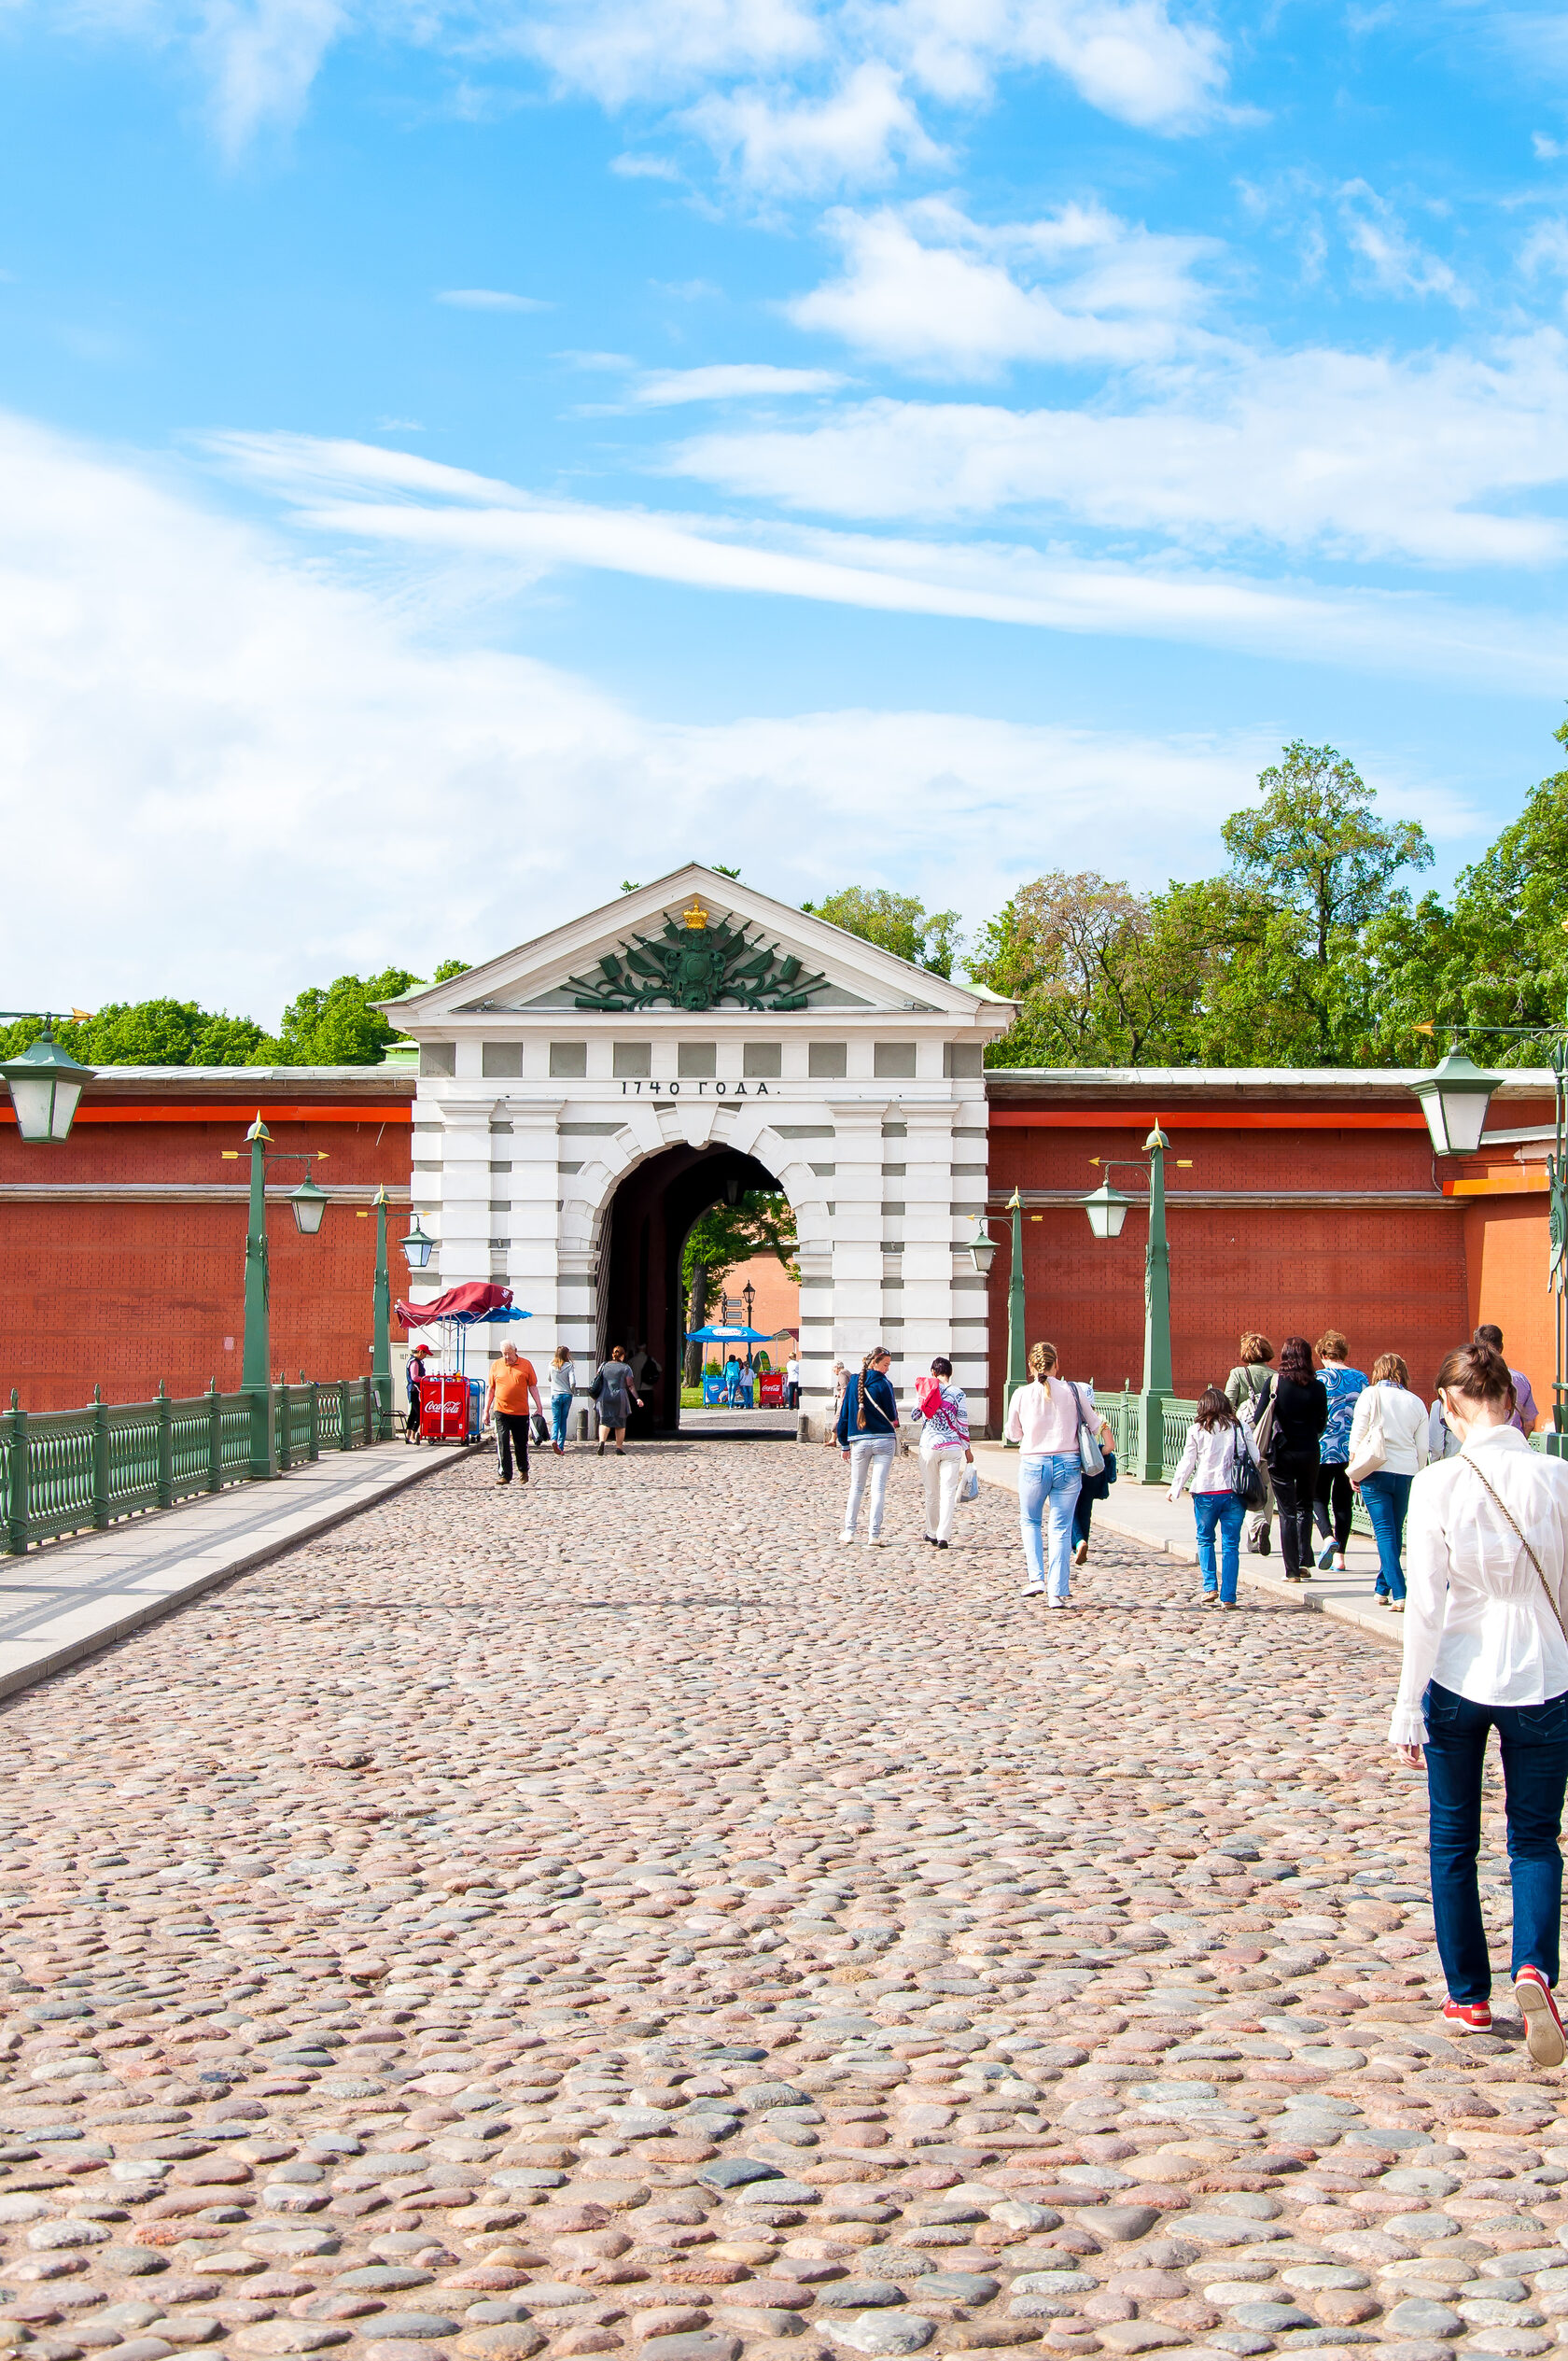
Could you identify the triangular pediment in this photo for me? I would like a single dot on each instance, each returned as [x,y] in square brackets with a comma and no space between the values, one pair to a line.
[689,942]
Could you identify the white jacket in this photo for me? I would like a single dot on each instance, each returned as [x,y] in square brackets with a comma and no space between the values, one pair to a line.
[1404,1422]
[1209,1457]
[1477,1620]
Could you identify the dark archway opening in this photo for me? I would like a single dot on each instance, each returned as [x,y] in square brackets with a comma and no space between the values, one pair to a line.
[646,1226]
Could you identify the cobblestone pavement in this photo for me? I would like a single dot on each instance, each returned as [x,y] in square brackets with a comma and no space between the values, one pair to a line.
[620,1918]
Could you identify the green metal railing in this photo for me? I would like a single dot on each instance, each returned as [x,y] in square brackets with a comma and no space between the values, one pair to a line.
[78,1471]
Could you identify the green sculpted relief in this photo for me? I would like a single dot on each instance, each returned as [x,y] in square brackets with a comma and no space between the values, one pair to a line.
[696,963]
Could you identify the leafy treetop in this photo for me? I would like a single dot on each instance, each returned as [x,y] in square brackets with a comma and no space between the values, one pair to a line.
[900,923]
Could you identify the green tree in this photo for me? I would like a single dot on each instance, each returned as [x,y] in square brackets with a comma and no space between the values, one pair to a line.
[449,967]
[759,1221]
[1498,956]
[900,923]
[1075,951]
[336,1025]
[149,1032]
[1316,853]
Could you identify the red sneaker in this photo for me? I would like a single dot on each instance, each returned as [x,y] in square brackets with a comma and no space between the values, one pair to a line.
[1468,2016]
[1543,2027]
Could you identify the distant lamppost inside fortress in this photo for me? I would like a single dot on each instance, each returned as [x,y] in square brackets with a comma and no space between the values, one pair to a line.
[584,1097]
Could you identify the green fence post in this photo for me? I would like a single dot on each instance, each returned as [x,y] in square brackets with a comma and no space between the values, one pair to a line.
[100,1459]
[15,1522]
[215,1438]
[165,1449]
[315,1421]
[346,1441]
[369,1436]
[285,1439]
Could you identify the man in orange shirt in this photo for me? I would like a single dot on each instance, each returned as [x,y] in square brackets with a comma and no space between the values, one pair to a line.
[505,1399]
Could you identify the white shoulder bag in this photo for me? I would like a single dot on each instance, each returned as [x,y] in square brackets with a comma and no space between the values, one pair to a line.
[1372,1449]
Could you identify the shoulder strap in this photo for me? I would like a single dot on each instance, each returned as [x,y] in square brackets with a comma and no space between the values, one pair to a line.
[1528,1552]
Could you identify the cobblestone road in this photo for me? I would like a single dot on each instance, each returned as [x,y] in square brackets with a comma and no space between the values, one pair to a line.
[620,1918]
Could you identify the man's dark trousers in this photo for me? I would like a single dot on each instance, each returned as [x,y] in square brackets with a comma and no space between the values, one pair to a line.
[511,1430]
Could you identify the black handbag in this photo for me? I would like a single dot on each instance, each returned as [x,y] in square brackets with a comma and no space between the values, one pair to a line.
[1247,1479]
[538,1427]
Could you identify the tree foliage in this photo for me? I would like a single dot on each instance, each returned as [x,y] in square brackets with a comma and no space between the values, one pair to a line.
[334,1024]
[1284,959]
[900,923]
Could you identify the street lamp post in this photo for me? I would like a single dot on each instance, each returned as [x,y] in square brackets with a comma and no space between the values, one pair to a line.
[308,1204]
[1107,1209]
[45,1082]
[1454,1098]
[381,1339]
[982,1248]
[749,1294]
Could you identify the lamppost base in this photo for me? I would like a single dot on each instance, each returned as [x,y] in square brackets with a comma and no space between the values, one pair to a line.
[1151,1439]
[1557,1446]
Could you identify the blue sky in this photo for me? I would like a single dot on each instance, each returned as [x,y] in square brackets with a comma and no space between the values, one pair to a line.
[458,456]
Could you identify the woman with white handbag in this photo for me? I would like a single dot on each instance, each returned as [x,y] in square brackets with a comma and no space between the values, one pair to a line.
[1057,1447]
[942,1415]
[1484,1648]
[1387,1447]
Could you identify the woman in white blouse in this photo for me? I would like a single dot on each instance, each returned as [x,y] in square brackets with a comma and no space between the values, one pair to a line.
[1387,1408]
[1484,1647]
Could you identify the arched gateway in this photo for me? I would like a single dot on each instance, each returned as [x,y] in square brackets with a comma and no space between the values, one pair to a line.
[584,1098]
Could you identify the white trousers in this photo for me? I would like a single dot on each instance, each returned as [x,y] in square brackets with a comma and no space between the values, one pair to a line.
[869,1463]
[942,1472]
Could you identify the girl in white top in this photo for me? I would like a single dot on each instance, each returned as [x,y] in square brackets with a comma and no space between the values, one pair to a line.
[1217,1447]
[563,1386]
[1043,1420]
[1485,1645]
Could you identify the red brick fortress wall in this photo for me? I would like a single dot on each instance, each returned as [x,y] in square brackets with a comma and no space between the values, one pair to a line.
[122,1250]
[1288,1210]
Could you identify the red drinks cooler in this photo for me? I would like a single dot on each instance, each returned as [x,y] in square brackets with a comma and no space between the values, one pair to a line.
[772,1389]
[443,1408]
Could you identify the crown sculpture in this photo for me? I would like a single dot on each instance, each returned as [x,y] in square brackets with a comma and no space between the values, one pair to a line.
[695,964]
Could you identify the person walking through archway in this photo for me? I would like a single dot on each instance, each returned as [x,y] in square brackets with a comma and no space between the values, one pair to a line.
[1484,1648]
[1300,1406]
[563,1386]
[613,1391]
[868,1422]
[512,1385]
[942,1409]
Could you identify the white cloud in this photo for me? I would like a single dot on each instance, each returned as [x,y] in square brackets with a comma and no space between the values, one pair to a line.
[732,381]
[198,729]
[1131,59]
[618,51]
[489,299]
[926,286]
[798,95]
[397,500]
[1393,262]
[262,57]
[789,145]
[1430,459]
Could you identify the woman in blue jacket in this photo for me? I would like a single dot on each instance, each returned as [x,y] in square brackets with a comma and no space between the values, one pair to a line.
[868,1438]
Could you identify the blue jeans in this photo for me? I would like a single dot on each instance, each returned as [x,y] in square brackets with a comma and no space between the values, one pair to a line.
[560,1411]
[1535,1744]
[1387,1497]
[1051,1480]
[1228,1511]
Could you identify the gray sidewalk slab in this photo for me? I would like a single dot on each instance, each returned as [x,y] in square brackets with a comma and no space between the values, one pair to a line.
[1143,1513]
[61,1602]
